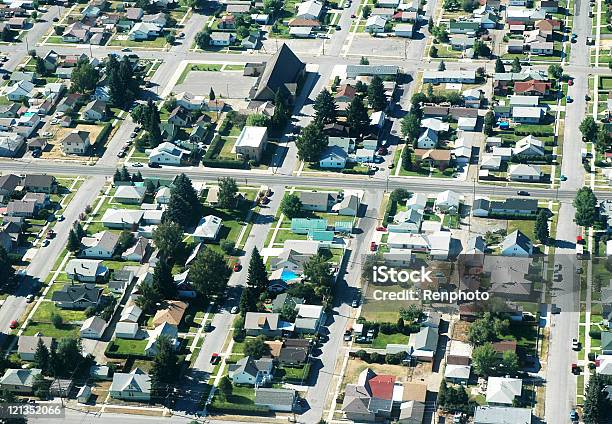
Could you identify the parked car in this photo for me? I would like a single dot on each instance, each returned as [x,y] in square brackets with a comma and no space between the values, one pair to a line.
[381,228]
[575,344]
[234,310]
[348,336]
[574,416]
[522,193]
[215,358]
[45,243]
[13,324]
[373,247]
[237,267]
[139,165]
[153,165]
[126,49]
[30,298]
[355,303]
[563,177]
[570,82]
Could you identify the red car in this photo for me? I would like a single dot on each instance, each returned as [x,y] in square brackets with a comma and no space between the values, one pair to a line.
[13,324]
[383,229]
[215,358]
[383,151]
[237,267]
[570,82]
[50,234]
[373,247]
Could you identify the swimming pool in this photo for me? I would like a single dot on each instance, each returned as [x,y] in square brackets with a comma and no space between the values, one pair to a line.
[288,275]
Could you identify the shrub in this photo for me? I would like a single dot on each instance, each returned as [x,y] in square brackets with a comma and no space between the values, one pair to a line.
[228,246]
[57,320]
[595,334]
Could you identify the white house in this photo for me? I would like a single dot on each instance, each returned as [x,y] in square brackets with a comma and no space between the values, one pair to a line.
[92,328]
[428,140]
[529,146]
[130,194]
[310,9]
[447,201]
[252,372]
[435,124]
[404,30]
[20,90]
[168,154]
[525,172]
[466,123]
[333,157]
[126,330]
[375,24]
[517,244]
[503,390]
[208,228]
[101,245]
[144,31]
[135,386]
[251,142]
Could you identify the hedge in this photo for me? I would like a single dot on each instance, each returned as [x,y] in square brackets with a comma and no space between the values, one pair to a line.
[238,408]
[225,163]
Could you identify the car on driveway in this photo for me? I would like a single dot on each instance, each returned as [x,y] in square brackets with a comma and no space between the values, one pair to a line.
[355,303]
[574,416]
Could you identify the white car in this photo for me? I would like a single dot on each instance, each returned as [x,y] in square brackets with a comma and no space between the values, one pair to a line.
[575,344]
[137,165]
[234,310]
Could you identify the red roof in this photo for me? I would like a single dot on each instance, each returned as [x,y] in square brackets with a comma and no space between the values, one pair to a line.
[532,85]
[381,386]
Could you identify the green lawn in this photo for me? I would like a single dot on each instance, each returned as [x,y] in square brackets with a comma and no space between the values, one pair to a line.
[525,226]
[382,340]
[46,309]
[129,347]
[65,331]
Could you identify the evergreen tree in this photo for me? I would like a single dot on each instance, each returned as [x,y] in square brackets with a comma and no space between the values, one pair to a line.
[168,238]
[588,128]
[596,405]
[184,207]
[291,206]
[442,393]
[407,158]
[117,176]
[41,70]
[74,243]
[178,211]
[257,277]
[125,174]
[357,116]
[516,65]
[84,77]
[248,301]
[311,142]
[499,66]
[149,297]
[442,66]
[489,121]
[326,110]
[41,356]
[153,125]
[410,127]
[6,267]
[541,226]
[225,387]
[376,94]
[228,189]
[510,363]
[165,367]
[163,282]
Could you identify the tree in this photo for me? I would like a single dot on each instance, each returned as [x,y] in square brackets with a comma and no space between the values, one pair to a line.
[596,405]
[364,60]
[41,356]
[499,66]
[84,77]
[226,387]
[125,174]
[509,363]
[282,112]
[541,226]
[202,38]
[163,281]
[41,70]
[74,243]
[248,301]
[149,297]
[170,38]
[442,66]
[57,320]
[209,274]
[165,368]
[311,142]
[256,348]
[516,65]
[357,116]
[123,84]
[585,203]
[489,121]
[442,392]
[257,277]
[291,206]
[482,330]
[407,158]
[7,34]
[228,246]
[325,107]
[376,94]
[227,192]
[481,49]
[258,120]
[184,207]
[40,386]
[602,142]
[68,357]
[484,359]
[410,127]
[588,128]
[555,71]
[319,273]
[411,314]
[433,51]
[178,211]
[211,94]
[468,5]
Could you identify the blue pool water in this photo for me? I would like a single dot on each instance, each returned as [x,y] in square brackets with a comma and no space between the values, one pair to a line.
[288,275]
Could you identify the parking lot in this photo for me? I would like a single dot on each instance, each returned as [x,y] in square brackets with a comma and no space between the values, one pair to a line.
[230,85]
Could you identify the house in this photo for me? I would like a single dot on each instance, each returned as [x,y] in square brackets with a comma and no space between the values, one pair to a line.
[129,194]
[517,244]
[20,208]
[436,77]
[309,318]
[529,146]
[171,314]
[8,184]
[294,255]
[221,38]
[463,27]
[250,42]
[503,390]
[543,48]
[424,344]
[135,386]
[603,365]
[348,206]
[92,328]
[606,342]
[94,111]
[435,158]
[10,144]
[281,400]
[256,323]
[384,12]
[370,399]
[472,97]
[79,296]
[517,100]
[134,13]
[300,32]
[532,88]
[467,123]
[251,142]
[76,143]
[408,221]
[375,24]
[551,6]
[168,154]
[317,200]
[138,251]
[294,352]
[131,314]
[157,18]
[84,394]
[19,381]
[39,183]
[164,330]
[447,202]
[124,219]
[19,91]
[404,30]
[524,172]
[238,9]
[428,139]
[502,415]
[144,31]
[208,228]
[27,345]
[462,42]
[9,110]
[508,207]
[76,32]
[179,117]
[457,373]
[310,9]
[86,270]
[101,245]
[252,372]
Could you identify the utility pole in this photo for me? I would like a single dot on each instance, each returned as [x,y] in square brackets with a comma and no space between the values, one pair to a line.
[405,49]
